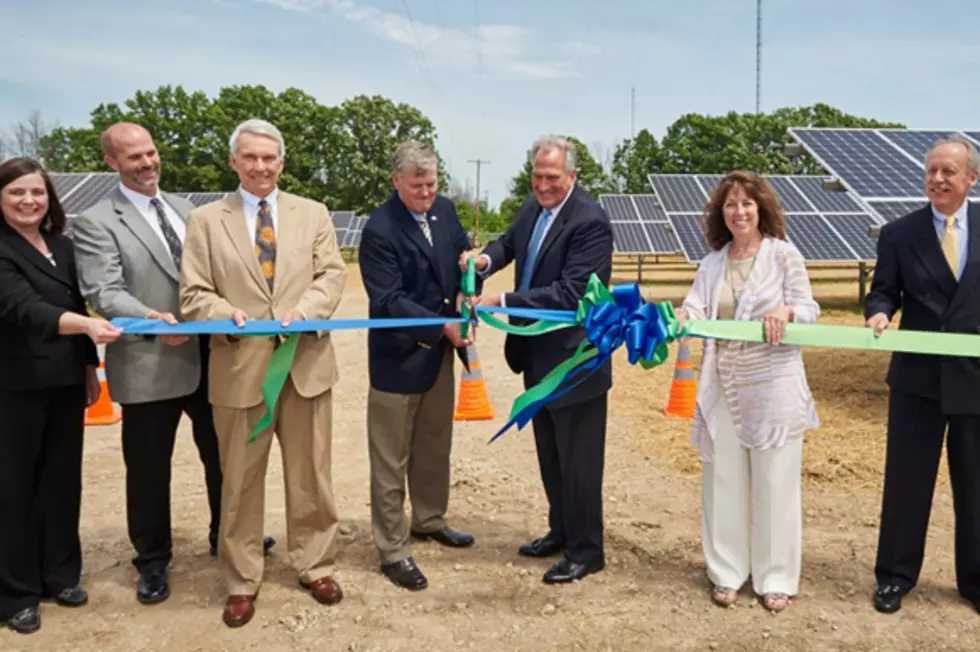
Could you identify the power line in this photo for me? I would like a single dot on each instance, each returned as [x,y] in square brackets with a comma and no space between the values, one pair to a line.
[476,204]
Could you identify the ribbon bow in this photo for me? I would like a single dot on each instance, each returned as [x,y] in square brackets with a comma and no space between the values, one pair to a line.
[610,317]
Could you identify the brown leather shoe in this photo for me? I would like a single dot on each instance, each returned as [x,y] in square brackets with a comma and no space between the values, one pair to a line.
[239,609]
[325,590]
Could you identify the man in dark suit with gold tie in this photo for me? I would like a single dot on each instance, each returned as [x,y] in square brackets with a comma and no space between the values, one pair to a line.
[929,268]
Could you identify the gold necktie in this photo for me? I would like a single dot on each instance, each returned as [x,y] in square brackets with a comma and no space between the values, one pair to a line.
[950,249]
[265,242]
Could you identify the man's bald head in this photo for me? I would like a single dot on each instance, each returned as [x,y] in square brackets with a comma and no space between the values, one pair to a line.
[129,150]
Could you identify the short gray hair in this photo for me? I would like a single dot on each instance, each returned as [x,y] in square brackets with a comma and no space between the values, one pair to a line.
[414,156]
[547,143]
[972,155]
[259,128]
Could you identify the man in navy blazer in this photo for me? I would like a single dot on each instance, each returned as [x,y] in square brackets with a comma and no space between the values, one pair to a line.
[929,268]
[559,238]
[408,257]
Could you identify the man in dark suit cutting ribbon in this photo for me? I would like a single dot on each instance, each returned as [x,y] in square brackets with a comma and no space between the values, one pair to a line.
[929,267]
[558,240]
[408,254]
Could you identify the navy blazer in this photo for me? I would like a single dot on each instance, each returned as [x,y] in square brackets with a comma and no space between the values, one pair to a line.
[33,296]
[578,245]
[406,277]
[911,275]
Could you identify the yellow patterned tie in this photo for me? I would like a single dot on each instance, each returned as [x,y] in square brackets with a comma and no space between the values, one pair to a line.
[265,242]
[950,250]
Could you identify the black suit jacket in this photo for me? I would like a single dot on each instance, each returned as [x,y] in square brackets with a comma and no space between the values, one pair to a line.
[911,275]
[578,245]
[33,296]
[406,277]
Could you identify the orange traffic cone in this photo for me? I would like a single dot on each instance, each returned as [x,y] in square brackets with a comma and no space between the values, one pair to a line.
[474,403]
[683,391]
[103,413]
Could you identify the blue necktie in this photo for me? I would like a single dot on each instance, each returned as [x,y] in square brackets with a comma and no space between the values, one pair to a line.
[532,251]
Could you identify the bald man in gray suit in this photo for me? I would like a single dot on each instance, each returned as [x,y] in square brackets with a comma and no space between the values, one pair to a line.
[128,253]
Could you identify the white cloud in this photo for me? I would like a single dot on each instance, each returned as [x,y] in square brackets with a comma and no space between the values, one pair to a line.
[495,49]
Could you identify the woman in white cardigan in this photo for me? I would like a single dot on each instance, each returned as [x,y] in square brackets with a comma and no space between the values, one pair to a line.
[753,401]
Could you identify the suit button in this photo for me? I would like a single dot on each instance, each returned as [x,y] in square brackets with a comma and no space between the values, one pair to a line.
[446,301]
[942,328]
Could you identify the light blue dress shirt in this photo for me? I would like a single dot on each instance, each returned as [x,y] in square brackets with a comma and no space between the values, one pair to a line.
[962,228]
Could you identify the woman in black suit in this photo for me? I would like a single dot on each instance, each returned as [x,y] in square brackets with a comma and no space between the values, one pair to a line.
[48,364]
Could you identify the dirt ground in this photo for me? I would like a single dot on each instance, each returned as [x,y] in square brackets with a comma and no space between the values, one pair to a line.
[653,594]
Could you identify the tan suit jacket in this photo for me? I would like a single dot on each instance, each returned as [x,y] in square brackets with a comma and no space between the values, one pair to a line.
[220,273]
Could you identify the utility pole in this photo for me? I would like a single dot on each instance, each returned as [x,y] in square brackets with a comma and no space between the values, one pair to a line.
[632,111]
[476,204]
[758,54]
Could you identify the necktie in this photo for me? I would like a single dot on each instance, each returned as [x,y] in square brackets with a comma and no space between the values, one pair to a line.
[169,235]
[532,250]
[424,225]
[950,250]
[265,242]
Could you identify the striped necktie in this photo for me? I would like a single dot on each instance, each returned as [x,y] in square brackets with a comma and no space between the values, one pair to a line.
[265,242]
[169,235]
[424,225]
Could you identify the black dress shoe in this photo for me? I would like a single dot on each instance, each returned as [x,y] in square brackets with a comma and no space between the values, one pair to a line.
[546,546]
[153,587]
[568,571]
[26,621]
[447,537]
[405,574]
[267,544]
[73,597]
[888,598]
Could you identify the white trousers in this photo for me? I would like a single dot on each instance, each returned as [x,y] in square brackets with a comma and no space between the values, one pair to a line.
[751,520]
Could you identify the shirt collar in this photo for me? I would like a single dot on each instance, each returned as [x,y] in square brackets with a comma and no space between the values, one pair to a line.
[138,199]
[252,201]
[960,214]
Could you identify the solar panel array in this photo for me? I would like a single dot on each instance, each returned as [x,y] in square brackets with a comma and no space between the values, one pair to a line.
[826,226]
[639,225]
[884,167]
[78,191]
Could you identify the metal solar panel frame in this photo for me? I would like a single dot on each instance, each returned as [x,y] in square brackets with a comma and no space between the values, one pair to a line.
[900,151]
[839,242]
[636,230]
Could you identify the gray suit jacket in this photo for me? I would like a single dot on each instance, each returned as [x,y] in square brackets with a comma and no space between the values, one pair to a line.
[125,270]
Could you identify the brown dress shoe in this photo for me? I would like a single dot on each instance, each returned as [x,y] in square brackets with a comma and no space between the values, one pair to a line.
[239,609]
[325,590]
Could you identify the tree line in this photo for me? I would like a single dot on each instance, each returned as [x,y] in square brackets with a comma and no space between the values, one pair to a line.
[341,155]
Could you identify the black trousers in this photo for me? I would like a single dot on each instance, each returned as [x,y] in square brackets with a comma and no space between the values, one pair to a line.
[571,444]
[40,494]
[916,430]
[149,432]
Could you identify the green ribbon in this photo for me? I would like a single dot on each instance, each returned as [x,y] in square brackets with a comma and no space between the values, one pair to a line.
[274,380]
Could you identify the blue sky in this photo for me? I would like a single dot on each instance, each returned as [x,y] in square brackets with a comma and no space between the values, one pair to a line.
[495,75]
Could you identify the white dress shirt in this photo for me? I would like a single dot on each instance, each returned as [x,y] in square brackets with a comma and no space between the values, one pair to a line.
[145,208]
[554,216]
[250,207]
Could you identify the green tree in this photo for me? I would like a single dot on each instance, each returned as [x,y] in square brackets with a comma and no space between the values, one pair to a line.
[337,155]
[634,160]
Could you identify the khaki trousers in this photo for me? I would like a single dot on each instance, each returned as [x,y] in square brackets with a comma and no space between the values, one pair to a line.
[410,435]
[303,427]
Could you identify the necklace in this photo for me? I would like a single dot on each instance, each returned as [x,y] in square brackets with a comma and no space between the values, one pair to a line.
[743,277]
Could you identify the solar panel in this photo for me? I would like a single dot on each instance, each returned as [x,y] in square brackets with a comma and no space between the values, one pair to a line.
[630,238]
[864,161]
[916,143]
[648,209]
[65,182]
[816,240]
[710,181]
[662,237]
[202,198]
[826,201]
[91,191]
[678,193]
[687,226]
[341,219]
[620,208]
[892,210]
[789,196]
[352,238]
[854,228]
[975,135]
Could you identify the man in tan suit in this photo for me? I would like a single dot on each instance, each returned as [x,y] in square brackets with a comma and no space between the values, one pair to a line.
[265,254]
